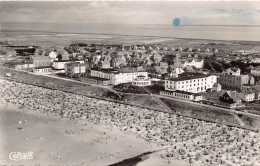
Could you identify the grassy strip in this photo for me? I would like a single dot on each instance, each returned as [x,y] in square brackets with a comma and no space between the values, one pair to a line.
[212,114]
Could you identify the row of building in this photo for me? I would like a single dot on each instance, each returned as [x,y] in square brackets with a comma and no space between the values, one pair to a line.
[232,87]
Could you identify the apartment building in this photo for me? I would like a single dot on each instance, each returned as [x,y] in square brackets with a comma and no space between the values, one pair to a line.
[235,82]
[194,83]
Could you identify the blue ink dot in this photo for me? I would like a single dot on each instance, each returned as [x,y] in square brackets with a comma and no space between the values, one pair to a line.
[176,22]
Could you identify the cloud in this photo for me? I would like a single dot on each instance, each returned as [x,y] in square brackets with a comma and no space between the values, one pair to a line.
[134,12]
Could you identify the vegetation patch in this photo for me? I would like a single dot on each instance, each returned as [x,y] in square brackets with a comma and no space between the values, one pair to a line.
[129,88]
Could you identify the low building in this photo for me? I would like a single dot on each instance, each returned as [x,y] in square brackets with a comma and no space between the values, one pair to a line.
[75,69]
[229,99]
[191,82]
[255,71]
[95,80]
[42,70]
[141,81]
[182,95]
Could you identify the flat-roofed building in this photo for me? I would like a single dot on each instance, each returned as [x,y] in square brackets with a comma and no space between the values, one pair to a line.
[194,83]
[42,70]
[182,95]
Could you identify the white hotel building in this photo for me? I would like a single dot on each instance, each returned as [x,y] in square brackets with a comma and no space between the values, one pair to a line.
[191,83]
[117,77]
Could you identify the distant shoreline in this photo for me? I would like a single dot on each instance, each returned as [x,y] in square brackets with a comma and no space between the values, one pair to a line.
[2,31]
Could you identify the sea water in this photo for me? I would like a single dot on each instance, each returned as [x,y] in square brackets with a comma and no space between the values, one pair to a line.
[244,33]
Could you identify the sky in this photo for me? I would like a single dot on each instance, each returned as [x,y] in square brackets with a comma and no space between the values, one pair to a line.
[132,12]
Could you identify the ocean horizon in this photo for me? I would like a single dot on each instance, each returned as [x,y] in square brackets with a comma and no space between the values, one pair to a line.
[210,32]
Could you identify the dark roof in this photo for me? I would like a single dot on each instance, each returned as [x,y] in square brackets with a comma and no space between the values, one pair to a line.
[232,94]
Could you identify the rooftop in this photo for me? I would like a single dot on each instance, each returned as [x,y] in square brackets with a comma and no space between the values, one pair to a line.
[189,77]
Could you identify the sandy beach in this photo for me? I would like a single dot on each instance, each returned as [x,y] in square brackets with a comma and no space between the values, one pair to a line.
[76,142]
[88,131]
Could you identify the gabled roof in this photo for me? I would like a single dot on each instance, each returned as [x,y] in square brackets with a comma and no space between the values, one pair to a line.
[232,94]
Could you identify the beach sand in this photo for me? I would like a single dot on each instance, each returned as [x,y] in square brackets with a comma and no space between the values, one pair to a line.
[59,141]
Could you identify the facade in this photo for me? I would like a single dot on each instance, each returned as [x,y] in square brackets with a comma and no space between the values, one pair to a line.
[75,69]
[191,83]
[182,95]
[95,80]
[117,76]
[24,66]
[60,64]
[247,96]
[235,82]
[42,70]
[141,81]
[255,71]
[41,61]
